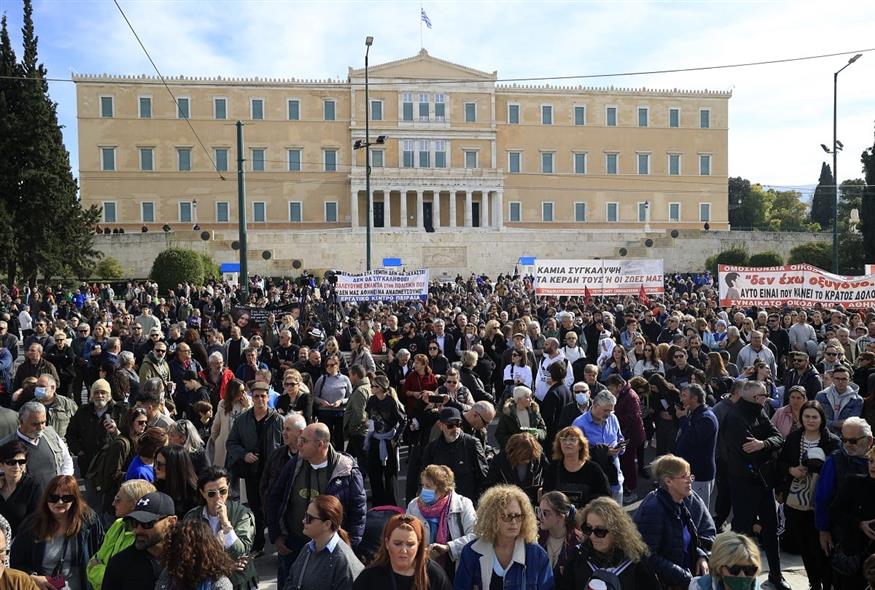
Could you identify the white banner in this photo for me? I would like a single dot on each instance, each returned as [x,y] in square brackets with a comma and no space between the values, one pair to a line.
[799,285]
[383,285]
[598,277]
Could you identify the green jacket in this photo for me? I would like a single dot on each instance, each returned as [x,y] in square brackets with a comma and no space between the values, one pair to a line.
[244,527]
[509,423]
[355,418]
[117,539]
[59,414]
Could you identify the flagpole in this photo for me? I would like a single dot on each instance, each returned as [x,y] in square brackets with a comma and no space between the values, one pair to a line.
[421,44]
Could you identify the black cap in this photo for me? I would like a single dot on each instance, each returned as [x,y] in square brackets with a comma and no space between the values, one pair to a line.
[190,376]
[152,507]
[450,415]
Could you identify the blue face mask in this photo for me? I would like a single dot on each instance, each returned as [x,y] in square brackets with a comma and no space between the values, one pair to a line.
[428,496]
[581,398]
[39,392]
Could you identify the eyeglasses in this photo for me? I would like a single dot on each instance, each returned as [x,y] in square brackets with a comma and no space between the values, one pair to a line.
[83,331]
[141,422]
[513,517]
[453,424]
[160,350]
[448,382]
[852,441]
[569,440]
[686,477]
[132,524]
[597,531]
[679,356]
[61,499]
[220,492]
[291,382]
[749,570]
[13,462]
[308,518]
[541,513]
[433,348]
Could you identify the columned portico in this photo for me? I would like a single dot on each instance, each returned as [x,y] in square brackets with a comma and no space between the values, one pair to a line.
[436,207]
[387,209]
[354,209]
[453,197]
[419,209]
[485,213]
[403,210]
[469,206]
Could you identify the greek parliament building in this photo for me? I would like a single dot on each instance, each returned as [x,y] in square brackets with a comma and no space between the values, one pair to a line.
[461,151]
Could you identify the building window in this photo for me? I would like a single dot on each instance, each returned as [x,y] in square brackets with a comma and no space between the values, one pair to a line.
[611,116]
[704,165]
[470,158]
[580,115]
[516,211]
[440,153]
[674,164]
[330,160]
[294,160]
[294,110]
[547,211]
[407,153]
[256,109]
[704,212]
[547,162]
[580,212]
[514,162]
[183,108]
[407,106]
[109,212]
[377,158]
[183,159]
[185,212]
[146,160]
[470,112]
[440,107]
[643,116]
[259,211]
[258,159]
[423,107]
[513,114]
[674,212]
[705,118]
[580,163]
[674,117]
[329,108]
[223,212]
[642,212]
[221,158]
[546,114]
[643,164]
[106,106]
[611,163]
[330,211]
[147,212]
[295,215]
[612,212]
[376,110]
[107,159]
[424,154]
[145,107]
[220,108]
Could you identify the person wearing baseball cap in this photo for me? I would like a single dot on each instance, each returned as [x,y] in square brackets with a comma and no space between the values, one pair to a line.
[460,452]
[151,521]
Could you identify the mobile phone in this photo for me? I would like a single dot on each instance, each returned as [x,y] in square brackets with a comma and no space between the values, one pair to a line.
[435,398]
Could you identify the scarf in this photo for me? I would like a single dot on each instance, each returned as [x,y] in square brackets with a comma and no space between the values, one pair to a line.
[384,438]
[440,510]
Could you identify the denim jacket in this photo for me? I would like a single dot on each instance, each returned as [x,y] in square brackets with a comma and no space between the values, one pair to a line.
[529,569]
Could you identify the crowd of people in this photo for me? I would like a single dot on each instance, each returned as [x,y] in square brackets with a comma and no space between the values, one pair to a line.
[206,421]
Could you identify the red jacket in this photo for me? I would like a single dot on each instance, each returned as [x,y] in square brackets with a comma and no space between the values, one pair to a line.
[628,411]
[227,376]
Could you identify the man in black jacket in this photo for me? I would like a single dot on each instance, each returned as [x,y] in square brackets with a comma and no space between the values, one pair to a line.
[138,566]
[803,373]
[750,441]
[460,452]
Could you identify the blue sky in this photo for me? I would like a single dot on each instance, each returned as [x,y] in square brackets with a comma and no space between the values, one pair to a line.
[779,114]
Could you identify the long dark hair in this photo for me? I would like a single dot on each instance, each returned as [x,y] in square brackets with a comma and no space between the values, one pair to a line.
[180,479]
[232,391]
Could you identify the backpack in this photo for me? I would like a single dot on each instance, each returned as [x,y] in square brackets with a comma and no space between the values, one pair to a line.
[97,470]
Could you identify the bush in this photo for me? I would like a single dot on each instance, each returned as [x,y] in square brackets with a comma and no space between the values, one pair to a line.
[211,269]
[177,265]
[109,268]
[817,254]
[764,259]
[736,256]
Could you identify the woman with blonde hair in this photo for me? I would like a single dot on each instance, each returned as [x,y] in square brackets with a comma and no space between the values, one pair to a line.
[506,552]
[734,564]
[572,472]
[611,544]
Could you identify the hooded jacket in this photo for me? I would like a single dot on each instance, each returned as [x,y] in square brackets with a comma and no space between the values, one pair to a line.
[838,406]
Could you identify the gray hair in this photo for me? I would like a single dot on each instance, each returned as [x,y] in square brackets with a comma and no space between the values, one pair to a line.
[296,419]
[31,407]
[860,423]
[521,391]
[50,377]
[403,352]
[484,407]
[153,386]
[733,331]
[753,388]
[126,357]
[604,398]
[216,356]
[469,358]
[193,440]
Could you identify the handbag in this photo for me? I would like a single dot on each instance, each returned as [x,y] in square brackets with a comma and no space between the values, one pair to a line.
[800,495]
[56,580]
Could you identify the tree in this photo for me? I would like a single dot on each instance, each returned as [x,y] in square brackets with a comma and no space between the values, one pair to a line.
[764,259]
[739,188]
[817,254]
[824,198]
[736,256]
[109,268]
[177,265]
[867,206]
[789,213]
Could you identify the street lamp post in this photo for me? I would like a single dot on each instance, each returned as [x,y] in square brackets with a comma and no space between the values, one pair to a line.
[368,42]
[835,172]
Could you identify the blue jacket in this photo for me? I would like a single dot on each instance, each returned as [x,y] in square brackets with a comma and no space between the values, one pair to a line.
[850,403]
[697,442]
[529,570]
[6,370]
[659,521]
[839,465]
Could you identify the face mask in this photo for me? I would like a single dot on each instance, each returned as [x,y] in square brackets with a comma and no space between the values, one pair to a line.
[39,392]
[738,583]
[428,496]
[581,398]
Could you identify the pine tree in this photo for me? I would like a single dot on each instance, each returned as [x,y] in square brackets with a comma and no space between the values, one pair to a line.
[824,198]
[867,206]
[8,132]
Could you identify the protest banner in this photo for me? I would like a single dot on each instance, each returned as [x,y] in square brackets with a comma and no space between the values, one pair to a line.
[383,285]
[598,277]
[797,285]
[251,318]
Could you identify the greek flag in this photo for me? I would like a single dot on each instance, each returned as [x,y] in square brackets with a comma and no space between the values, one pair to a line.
[424,17]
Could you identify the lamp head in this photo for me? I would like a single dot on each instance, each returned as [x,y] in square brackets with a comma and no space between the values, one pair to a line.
[826,149]
[381,139]
[370,41]
[840,145]
[855,58]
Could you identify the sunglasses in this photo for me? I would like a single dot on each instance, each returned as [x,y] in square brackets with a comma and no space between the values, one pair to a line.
[308,518]
[514,517]
[132,524]
[291,383]
[749,570]
[597,531]
[852,441]
[453,424]
[220,492]
[58,499]
[160,350]
[13,462]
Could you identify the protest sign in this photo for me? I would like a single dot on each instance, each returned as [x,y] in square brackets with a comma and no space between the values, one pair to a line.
[798,285]
[598,277]
[383,285]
